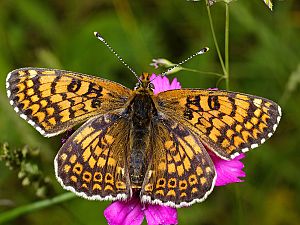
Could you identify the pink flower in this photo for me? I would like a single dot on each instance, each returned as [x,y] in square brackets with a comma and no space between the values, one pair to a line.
[163,84]
[228,171]
[133,211]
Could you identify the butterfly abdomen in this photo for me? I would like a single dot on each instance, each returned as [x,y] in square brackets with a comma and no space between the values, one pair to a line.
[141,113]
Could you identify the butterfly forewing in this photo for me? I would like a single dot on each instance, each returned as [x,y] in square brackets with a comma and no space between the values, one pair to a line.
[92,163]
[227,122]
[180,172]
[56,100]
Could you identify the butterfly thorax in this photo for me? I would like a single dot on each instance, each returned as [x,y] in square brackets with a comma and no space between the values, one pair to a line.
[142,110]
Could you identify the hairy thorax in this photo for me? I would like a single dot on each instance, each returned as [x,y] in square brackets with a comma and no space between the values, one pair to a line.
[142,110]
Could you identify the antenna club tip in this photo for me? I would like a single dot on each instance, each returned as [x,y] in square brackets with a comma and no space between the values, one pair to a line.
[98,36]
[202,51]
[205,49]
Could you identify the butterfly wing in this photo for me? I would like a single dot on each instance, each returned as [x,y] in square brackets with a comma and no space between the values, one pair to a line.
[228,123]
[55,100]
[92,163]
[180,172]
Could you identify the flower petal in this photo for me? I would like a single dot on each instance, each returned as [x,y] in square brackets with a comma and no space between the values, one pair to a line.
[160,215]
[124,212]
[175,84]
[161,63]
[228,171]
[212,89]
[163,84]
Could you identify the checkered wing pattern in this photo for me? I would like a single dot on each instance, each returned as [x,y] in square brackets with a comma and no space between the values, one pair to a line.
[180,172]
[228,123]
[92,163]
[55,100]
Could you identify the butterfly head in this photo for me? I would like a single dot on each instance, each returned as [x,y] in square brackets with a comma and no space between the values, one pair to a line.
[144,86]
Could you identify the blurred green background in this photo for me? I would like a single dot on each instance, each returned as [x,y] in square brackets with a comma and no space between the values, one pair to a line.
[264,61]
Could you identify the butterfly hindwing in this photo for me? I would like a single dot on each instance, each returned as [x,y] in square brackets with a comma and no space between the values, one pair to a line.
[92,163]
[55,100]
[180,172]
[228,123]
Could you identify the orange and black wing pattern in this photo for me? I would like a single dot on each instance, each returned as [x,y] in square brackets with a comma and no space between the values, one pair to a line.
[229,123]
[180,172]
[55,100]
[92,163]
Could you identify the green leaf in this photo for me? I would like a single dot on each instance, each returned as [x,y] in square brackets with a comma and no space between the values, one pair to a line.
[269,4]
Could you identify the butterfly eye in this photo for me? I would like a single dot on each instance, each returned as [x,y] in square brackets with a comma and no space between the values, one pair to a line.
[151,86]
[137,86]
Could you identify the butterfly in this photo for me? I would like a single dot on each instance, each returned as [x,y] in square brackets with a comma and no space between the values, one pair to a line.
[134,142]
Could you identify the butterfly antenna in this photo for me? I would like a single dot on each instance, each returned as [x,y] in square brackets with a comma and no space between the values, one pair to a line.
[99,37]
[200,52]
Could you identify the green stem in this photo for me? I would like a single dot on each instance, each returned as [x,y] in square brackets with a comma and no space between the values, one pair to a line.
[16,212]
[227,45]
[202,72]
[239,207]
[215,39]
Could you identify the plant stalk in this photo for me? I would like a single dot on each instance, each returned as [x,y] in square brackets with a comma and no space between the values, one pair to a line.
[16,212]
[215,39]
[227,45]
